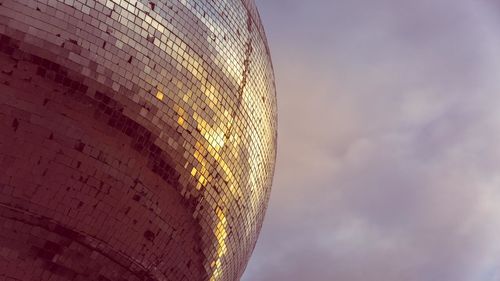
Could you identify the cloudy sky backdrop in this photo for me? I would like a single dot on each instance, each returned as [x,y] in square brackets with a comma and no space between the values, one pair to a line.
[389,141]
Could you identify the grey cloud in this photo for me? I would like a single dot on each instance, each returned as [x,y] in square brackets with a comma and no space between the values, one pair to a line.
[389,142]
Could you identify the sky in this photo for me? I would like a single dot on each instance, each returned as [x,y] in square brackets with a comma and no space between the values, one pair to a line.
[389,141]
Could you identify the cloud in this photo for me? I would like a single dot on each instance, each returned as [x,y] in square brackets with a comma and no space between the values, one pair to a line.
[388,142]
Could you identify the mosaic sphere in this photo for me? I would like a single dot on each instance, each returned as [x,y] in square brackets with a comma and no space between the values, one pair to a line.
[137,138]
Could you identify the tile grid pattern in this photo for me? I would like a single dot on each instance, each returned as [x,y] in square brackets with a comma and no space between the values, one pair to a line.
[194,78]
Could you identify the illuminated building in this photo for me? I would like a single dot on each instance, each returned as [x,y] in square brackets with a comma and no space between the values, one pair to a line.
[137,138]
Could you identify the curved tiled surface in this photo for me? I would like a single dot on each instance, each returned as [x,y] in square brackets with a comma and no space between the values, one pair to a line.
[138,138]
